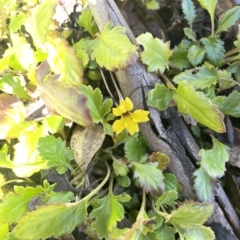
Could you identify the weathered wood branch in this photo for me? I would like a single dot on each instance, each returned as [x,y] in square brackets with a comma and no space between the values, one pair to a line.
[173,143]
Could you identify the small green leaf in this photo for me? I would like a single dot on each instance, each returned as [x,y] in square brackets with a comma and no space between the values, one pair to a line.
[107,213]
[123,181]
[203,185]
[98,108]
[54,123]
[152,5]
[167,198]
[53,151]
[195,55]
[190,215]
[171,183]
[135,147]
[14,205]
[66,101]
[189,11]
[165,233]
[214,49]
[229,105]
[204,78]
[156,53]
[120,167]
[51,220]
[190,34]
[199,107]
[199,233]
[159,97]
[209,5]
[213,161]
[149,177]
[228,19]
[112,49]
[86,21]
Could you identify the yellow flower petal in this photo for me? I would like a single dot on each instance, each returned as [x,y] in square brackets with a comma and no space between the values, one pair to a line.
[131,126]
[123,107]
[139,116]
[119,125]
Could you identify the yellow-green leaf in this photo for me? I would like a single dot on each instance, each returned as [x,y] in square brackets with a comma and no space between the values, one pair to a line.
[199,107]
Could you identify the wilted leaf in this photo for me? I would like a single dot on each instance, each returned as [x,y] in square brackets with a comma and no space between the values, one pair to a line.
[149,177]
[159,97]
[203,185]
[229,105]
[53,151]
[40,20]
[85,142]
[161,158]
[12,115]
[204,78]
[156,53]
[107,213]
[51,220]
[168,198]
[195,55]
[214,49]
[199,107]
[63,60]
[189,11]
[14,205]
[135,147]
[66,101]
[228,19]
[113,50]
[213,161]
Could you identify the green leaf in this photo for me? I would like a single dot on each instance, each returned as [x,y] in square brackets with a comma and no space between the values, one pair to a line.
[112,49]
[53,151]
[189,11]
[14,205]
[123,181]
[225,80]
[228,19]
[203,185]
[81,52]
[5,161]
[190,34]
[4,229]
[199,233]
[86,21]
[63,60]
[199,107]
[17,21]
[204,78]
[195,55]
[97,106]
[229,105]
[165,233]
[66,100]
[159,97]
[171,183]
[209,5]
[213,161]
[107,213]
[149,177]
[120,167]
[190,215]
[214,49]
[52,220]
[39,21]
[14,85]
[54,123]
[152,5]
[167,198]
[135,147]
[179,57]
[156,53]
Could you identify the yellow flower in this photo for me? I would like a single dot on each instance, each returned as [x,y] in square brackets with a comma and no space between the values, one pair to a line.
[128,119]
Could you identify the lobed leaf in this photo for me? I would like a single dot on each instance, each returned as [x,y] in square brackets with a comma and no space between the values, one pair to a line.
[167,198]
[203,185]
[156,53]
[159,97]
[189,11]
[149,177]
[228,19]
[52,220]
[112,49]
[214,49]
[199,107]
[229,105]
[134,148]
[66,101]
[213,161]
[53,151]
